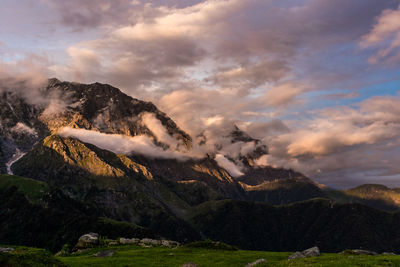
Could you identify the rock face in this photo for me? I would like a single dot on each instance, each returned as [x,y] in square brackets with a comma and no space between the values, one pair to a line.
[88,240]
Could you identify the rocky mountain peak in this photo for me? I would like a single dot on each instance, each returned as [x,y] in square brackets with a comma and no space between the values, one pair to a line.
[105,108]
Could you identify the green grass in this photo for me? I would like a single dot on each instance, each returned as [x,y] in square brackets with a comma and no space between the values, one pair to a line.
[164,257]
[27,257]
[31,188]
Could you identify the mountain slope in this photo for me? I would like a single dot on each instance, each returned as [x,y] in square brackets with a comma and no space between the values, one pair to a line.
[331,227]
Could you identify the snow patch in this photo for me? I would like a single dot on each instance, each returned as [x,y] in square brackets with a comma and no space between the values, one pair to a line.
[17,155]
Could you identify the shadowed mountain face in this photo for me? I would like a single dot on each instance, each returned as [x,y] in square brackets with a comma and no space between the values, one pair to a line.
[161,194]
[331,227]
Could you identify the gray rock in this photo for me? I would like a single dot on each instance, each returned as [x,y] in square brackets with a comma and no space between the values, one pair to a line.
[88,240]
[389,253]
[364,252]
[259,261]
[190,264]
[169,243]
[104,253]
[113,243]
[6,250]
[311,252]
[358,252]
[129,241]
[296,255]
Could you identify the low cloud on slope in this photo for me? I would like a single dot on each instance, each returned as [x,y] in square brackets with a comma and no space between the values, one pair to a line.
[121,144]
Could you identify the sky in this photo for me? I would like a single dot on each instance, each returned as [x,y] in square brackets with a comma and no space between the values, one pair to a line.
[316,80]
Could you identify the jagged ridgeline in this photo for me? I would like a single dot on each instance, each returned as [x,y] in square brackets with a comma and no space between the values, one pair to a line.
[90,158]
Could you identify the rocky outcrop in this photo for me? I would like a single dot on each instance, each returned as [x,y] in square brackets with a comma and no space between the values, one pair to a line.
[87,241]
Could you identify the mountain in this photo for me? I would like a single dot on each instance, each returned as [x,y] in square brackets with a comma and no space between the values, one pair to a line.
[104,109]
[295,227]
[104,160]
[374,195]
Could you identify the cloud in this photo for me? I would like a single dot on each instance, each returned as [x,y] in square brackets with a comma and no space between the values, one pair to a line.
[21,128]
[282,94]
[28,72]
[385,35]
[121,144]
[338,143]
[228,165]
[223,44]
[156,127]
[256,64]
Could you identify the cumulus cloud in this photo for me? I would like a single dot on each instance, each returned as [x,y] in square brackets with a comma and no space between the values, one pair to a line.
[229,44]
[214,64]
[341,142]
[27,78]
[282,94]
[385,35]
[23,74]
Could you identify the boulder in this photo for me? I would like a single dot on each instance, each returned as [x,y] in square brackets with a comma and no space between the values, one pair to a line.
[311,252]
[296,255]
[259,261]
[6,250]
[129,241]
[104,253]
[88,240]
[170,243]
